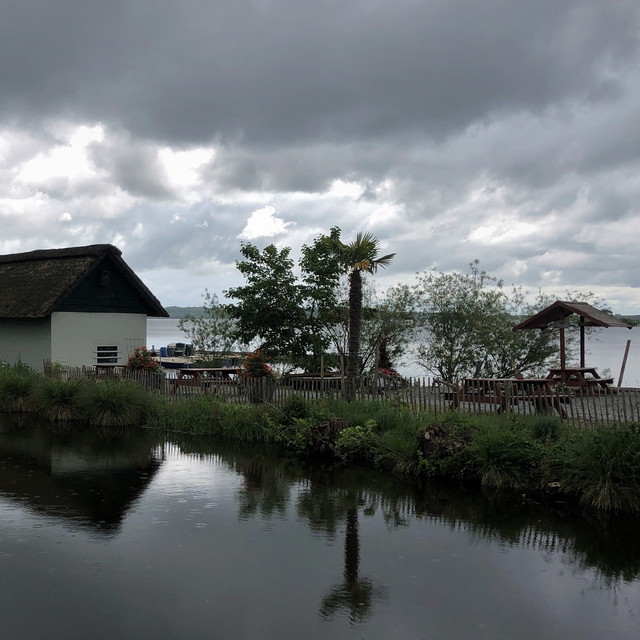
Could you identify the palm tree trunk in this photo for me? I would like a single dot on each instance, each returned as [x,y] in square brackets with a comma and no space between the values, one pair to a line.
[355,330]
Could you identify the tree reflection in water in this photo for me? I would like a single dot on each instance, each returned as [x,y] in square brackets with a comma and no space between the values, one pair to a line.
[355,595]
[328,497]
[326,501]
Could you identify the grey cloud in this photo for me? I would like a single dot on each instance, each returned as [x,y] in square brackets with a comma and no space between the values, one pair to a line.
[178,238]
[285,70]
[134,167]
[457,112]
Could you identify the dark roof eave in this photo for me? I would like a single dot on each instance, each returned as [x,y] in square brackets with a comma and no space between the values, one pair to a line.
[83,260]
[562,309]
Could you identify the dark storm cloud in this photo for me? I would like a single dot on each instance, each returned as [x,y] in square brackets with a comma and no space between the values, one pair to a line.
[276,70]
[133,166]
[503,130]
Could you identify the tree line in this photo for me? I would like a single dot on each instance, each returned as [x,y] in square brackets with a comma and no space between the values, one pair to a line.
[326,311]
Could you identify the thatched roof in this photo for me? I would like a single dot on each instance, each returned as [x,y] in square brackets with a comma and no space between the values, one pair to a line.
[33,284]
[559,310]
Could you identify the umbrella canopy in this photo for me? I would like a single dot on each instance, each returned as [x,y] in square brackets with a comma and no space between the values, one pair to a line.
[555,317]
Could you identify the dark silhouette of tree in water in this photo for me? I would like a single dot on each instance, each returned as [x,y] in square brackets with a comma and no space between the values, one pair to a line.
[355,595]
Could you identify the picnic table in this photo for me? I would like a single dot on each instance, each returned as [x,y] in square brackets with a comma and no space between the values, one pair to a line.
[108,370]
[578,377]
[311,380]
[205,377]
[505,392]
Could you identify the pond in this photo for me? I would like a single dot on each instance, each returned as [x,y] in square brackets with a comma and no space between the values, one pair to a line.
[145,536]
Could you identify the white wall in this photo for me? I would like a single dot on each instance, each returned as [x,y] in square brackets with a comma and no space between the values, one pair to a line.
[25,340]
[75,336]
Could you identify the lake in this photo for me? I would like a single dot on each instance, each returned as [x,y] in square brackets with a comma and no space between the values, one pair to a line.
[605,349]
[144,536]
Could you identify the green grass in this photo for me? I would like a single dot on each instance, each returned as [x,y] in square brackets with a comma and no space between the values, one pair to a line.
[17,386]
[115,403]
[506,456]
[206,415]
[601,467]
[60,400]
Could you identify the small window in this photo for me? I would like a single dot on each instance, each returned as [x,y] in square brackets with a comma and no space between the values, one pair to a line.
[107,355]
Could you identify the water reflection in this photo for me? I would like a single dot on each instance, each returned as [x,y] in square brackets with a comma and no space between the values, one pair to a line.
[194,536]
[79,478]
[266,489]
[326,497]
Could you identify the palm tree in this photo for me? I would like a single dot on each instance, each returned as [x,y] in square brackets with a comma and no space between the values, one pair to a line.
[357,257]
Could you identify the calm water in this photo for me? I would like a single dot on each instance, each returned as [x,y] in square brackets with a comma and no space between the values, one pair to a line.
[605,349]
[141,538]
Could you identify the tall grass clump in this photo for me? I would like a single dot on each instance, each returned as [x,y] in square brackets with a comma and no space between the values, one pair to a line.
[206,415]
[386,416]
[60,400]
[398,447]
[505,455]
[545,427]
[115,403]
[16,388]
[601,467]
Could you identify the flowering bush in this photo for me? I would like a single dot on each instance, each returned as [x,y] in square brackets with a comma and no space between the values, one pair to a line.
[142,360]
[256,365]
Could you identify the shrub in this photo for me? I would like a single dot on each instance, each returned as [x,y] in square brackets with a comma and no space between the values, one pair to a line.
[256,365]
[115,403]
[294,407]
[602,467]
[16,388]
[358,443]
[292,435]
[504,456]
[60,400]
[546,427]
[142,360]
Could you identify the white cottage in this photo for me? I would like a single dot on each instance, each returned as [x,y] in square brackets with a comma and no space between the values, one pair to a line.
[76,306]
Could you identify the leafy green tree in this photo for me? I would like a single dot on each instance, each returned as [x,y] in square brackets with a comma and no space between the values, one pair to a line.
[388,326]
[302,317]
[213,330]
[270,307]
[358,257]
[321,274]
[468,320]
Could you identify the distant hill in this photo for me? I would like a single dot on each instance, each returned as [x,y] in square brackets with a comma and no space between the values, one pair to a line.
[179,313]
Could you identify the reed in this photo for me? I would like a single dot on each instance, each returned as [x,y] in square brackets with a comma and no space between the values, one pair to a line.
[17,386]
[60,400]
[205,415]
[397,448]
[601,467]
[545,427]
[506,456]
[115,403]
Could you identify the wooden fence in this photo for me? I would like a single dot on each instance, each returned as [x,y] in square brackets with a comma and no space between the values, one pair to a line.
[578,406]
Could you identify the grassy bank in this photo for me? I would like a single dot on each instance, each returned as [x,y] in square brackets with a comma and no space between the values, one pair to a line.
[598,467]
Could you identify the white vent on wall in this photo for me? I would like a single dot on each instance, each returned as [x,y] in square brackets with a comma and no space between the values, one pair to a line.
[107,355]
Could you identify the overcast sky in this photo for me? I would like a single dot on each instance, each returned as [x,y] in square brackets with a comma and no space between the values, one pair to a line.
[502,130]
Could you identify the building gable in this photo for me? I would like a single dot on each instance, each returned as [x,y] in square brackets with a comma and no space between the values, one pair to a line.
[93,278]
[105,288]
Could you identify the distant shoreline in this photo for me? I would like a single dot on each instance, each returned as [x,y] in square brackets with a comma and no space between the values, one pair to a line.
[179,313]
